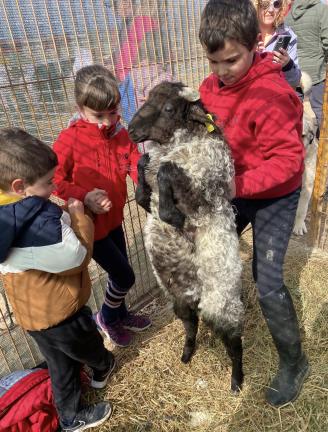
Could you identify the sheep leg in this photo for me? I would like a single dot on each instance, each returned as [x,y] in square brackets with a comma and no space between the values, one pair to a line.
[233,345]
[143,190]
[169,176]
[190,321]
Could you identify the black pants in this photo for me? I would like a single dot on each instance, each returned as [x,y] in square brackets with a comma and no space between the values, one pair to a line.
[66,347]
[272,221]
[110,253]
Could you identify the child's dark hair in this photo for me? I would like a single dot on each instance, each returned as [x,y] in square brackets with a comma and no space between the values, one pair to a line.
[96,88]
[23,156]
[228,19]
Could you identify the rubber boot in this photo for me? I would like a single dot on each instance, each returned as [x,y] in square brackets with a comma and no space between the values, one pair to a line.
[280,316]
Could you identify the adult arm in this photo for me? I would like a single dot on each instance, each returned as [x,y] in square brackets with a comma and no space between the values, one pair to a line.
[292,71]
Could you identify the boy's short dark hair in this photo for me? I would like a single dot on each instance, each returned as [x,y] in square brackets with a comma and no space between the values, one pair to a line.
[23,156]
[228,19]
[96,88]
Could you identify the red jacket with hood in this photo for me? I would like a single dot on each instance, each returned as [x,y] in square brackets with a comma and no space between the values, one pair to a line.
[91,157]
[261,117]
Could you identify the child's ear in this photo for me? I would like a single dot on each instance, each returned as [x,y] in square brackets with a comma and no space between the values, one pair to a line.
[18,186]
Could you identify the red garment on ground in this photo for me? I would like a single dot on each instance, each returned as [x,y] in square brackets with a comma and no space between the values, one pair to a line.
[28,405]
[261,117]
[88,158]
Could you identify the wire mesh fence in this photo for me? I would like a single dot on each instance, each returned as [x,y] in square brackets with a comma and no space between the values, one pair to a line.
[42,45]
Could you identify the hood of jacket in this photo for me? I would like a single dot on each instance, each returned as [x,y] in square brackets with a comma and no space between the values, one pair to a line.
[22,219]
[300,6]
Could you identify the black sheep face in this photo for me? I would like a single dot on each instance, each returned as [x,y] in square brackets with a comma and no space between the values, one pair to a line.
[166,110]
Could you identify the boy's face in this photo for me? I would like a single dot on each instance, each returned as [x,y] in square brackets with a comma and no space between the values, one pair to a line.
[42,187]
[107,117]
[232,62]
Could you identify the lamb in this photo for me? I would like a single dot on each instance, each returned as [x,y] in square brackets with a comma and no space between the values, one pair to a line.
[190,235]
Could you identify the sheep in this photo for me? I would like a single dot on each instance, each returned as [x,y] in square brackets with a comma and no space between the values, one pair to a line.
[190,233]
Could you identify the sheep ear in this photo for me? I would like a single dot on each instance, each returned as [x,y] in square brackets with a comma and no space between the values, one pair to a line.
[189,94]
[197,113]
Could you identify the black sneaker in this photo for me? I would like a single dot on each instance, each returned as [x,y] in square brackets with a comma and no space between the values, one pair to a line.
[91,416]
[99,379]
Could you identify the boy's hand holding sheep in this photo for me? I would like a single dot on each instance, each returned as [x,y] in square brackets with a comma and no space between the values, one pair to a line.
[97,201]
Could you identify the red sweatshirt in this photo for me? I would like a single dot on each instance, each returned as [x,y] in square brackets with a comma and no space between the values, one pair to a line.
[88,158]
[261,117]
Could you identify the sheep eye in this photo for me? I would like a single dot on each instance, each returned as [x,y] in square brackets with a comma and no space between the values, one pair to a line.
[169,108]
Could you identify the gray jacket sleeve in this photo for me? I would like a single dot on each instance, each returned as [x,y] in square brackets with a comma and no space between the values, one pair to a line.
[292,71]
[324,30]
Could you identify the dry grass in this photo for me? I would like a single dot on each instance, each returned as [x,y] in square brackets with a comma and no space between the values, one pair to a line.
[153,391]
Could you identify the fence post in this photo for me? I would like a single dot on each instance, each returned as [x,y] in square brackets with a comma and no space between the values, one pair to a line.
[318,232]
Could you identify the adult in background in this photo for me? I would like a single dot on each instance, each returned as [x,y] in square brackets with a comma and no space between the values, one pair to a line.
[309,20]
[271,15]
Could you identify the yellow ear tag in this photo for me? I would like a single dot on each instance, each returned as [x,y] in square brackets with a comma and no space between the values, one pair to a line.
[209,126]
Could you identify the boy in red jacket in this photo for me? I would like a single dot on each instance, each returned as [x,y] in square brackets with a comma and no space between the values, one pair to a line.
[261,117]
[95,155]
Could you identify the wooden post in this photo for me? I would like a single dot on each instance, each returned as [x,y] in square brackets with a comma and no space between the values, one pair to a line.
[318,231]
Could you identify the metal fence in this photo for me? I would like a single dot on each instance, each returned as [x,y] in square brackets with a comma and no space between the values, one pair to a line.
[42,45]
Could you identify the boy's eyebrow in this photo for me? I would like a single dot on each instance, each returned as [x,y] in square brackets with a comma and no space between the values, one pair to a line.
[231,57]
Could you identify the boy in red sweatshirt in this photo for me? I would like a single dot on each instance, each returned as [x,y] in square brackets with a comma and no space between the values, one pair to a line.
[261,117]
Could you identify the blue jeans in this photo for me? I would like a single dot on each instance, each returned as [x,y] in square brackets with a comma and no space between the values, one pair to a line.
[272,221]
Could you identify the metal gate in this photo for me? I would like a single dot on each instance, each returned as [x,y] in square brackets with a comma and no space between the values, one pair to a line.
[42,45]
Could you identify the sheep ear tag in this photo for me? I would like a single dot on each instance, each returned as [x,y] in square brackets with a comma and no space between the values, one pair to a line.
[209,126]
[189,94]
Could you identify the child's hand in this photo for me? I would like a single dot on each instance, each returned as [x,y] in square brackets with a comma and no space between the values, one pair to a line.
[104,202]
[75,206]
[281,57]
[97,201]
[260,43]
[260,46]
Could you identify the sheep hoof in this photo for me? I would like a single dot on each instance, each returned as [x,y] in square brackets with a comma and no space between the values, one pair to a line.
[235,387]
[186,356]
